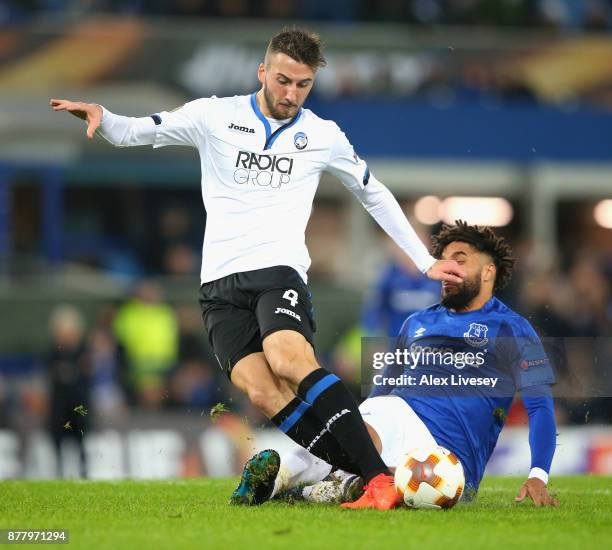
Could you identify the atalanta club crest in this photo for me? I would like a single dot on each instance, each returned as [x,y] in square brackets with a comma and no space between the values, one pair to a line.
[300,140]
[476,335]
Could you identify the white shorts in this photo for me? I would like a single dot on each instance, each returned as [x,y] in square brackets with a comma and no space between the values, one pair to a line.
[399,428]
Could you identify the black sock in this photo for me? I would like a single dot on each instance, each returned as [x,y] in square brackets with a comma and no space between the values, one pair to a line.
[335,407]
[299,422]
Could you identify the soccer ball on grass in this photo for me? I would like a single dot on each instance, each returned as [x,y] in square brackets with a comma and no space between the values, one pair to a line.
[430,477]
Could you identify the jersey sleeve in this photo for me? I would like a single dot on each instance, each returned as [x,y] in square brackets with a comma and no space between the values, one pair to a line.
[344,163]
[355,175]
[528,361]
[183,126]
[123,131]
[542,429]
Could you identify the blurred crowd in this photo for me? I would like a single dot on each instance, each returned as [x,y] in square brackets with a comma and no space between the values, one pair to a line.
[569,14]
[166,241]
[140,353]
[443,74]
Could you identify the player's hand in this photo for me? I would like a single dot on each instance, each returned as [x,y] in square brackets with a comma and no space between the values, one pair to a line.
[90,112]
[536,490]
[446,270]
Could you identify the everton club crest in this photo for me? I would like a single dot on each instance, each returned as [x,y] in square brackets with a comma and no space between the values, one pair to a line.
[476,335]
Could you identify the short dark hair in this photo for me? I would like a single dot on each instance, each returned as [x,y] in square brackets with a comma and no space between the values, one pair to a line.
[300,44]
[483,239]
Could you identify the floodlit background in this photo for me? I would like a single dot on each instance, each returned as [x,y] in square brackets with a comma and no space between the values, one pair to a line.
[497,112]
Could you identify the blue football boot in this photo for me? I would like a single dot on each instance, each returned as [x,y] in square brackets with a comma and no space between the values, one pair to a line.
[257,482]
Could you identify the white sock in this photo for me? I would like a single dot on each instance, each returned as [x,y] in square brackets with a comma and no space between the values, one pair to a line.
[299,466]
[341,475]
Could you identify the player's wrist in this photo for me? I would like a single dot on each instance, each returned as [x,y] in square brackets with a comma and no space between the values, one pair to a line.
[426,264]
[538,473]
[87,112]
[103,112]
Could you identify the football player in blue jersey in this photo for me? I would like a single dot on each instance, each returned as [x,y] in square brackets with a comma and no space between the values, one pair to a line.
[458,367]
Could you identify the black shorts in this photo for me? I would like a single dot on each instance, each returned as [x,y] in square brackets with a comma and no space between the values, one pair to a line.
[240,310]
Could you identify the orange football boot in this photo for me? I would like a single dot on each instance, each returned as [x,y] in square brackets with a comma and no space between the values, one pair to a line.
[380,493]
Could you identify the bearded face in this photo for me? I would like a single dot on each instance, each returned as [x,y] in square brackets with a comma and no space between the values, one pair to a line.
[478,267]
[458,297]
[286,84]
[279,109]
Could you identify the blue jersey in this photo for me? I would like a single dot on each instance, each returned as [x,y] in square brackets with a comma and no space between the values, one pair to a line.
[397,295]
[494,344]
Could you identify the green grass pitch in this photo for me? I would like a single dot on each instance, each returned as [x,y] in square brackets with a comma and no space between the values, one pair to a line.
[195,514]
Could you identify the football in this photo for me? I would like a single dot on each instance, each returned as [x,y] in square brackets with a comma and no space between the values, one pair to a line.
[430,477]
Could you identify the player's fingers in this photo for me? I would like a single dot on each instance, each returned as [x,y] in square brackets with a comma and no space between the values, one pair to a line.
[538,497]
[550,501]
[69,106]
[58,104]
[458,270]
[92,127]
[449,277]
[452,267]
[522,494]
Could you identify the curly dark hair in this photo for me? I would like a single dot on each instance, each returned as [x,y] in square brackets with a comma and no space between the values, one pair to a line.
[300,44]
[483,239]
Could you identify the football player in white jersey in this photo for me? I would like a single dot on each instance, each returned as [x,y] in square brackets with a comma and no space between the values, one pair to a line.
[262,156]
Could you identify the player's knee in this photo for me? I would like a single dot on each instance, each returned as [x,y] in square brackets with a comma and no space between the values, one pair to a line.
[280,363]
[285,362]
[289,358]
[264,398]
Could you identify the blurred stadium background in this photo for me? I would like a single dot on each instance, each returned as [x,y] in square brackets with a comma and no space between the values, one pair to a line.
[496,111]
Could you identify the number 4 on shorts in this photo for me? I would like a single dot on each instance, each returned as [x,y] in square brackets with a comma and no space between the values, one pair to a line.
[292,296]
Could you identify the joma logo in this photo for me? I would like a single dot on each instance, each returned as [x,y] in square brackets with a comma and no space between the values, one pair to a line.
[233,126]
[287,312]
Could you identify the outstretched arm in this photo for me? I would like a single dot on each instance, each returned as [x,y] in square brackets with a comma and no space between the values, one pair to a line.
[354,173]
[387,212]
[542,441]
[119,130]
[90,112]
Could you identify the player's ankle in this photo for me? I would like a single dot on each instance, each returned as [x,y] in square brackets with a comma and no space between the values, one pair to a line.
[369,477]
